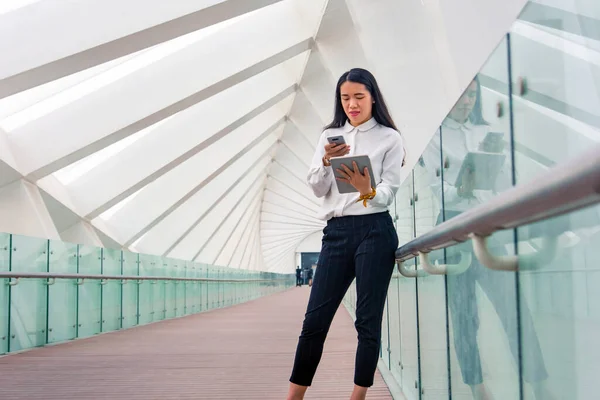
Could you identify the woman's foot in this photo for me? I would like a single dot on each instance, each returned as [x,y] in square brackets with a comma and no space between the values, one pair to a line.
[296,392]
[480,392]
[359,393]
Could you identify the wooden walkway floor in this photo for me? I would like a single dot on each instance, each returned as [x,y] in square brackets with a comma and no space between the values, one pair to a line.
[242,352]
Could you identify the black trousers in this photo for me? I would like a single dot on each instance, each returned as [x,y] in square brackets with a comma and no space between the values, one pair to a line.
[298,281]
[360,247]
[499,287]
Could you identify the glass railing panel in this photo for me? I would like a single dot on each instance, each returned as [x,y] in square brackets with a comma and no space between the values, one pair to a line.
[169,268]
[559,306]
[38,311]
[191,289]
[28,298]
[179,272]
[157,268]
[225,287]
[402,214]
[200,273]
[62,296]
[90,292]
[431,288]
[111,291]
[220,288]
[200,287]
[5,251]
[385,335]
[408,346]
[186,288]
[393,311]
[146,290]
[477,164]
[230,288]
[216,287]
[206,288]
[555,48]
[130,289]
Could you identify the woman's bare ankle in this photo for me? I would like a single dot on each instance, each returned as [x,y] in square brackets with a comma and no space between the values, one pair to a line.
[296,392]
[359,393]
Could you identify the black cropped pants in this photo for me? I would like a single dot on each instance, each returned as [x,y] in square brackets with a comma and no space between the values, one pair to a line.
[360,247]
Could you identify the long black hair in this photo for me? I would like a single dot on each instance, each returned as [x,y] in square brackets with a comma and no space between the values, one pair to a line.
[380,110]
[476,116]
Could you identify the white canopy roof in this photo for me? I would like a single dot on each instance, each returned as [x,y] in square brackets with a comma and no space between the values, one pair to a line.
[186,128]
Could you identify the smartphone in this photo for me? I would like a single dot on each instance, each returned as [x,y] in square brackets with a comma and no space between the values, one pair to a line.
[337,140]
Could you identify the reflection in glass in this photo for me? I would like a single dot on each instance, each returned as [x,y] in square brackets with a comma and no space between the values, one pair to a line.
[475,163]
[431,291]
[556,102]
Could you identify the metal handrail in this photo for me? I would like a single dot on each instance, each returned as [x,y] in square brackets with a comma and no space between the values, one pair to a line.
[564,188]
[51,275]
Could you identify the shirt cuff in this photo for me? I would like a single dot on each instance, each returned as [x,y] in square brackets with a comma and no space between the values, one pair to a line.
[379,200]
[325,171]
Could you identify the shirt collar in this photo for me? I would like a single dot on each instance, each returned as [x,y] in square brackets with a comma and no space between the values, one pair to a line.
[365,126]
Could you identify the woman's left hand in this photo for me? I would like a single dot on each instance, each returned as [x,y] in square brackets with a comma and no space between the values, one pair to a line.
[361,182]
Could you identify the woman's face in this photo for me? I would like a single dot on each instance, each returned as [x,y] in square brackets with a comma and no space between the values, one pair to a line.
[357,102]
[463,107]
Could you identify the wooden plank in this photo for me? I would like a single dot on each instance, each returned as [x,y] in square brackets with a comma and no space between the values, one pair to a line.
[241,352]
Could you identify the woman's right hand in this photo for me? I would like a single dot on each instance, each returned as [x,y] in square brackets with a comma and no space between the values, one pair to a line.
[334,150]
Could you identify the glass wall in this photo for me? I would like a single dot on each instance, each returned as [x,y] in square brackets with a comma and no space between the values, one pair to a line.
[460,330]
[38,311]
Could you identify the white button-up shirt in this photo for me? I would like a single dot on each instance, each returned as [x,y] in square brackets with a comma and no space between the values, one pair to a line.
[384,147]
[458,140]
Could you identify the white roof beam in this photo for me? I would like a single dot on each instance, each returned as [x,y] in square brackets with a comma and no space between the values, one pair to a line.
[217,201]
[292,173]
[295,154]
[212,176]
[301,220]
[285,236]
[311,199]
[268,206]
[190,153]
[149,120]
[284,213]
[266,233]
[35,71]
[251,207]
[252,242]
[283,242]
[271,258]
[255,197]
[245,231]
[292,223]
[293,125]
[312,210]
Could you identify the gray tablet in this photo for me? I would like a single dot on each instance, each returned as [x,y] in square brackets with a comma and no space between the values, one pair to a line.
[362,161]
[486,166]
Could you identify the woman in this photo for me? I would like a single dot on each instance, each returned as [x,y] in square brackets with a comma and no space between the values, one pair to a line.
[463,131]
[359,240]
